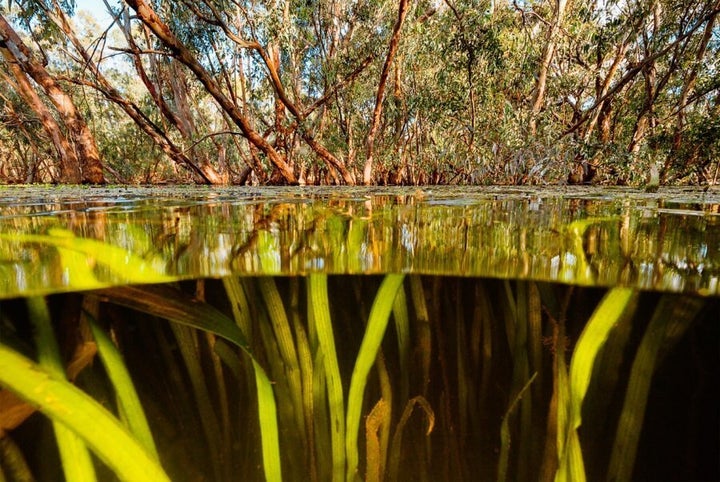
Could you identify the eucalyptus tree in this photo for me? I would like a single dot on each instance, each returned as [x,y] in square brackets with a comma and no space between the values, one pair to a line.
[204,171]
[648,57]
[23,142]
[230,22]
[79,164]
[19,121]
[372,91]
[380,94]
[550,45]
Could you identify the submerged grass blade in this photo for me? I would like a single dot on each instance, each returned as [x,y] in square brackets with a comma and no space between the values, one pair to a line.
[63,402]
[535,340]
[286,345]
[169,303]
[521,373]
[386,393]
[323,424]
[119,261]
[127,397]
[374,333]
[223,401]
[505,432]
[611,309]
[402,329]
[13,466]
[319,304]
[374,467]
[422,329]
[396,446]
[187,343]
[76,461]
[305,359]
[239,304]
[670,320]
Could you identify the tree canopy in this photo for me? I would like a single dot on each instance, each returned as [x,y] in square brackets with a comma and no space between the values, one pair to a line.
[361,91]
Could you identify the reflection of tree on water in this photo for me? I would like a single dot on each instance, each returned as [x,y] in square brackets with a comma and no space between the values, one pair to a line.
[644,243]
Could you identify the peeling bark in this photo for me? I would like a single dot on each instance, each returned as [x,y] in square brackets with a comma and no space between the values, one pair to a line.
[68,163]
[547,57]
[133,111]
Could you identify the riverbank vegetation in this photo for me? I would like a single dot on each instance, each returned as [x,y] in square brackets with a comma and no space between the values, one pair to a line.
[367,91]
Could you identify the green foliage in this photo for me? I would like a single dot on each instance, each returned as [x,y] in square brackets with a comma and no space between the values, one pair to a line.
[459,101]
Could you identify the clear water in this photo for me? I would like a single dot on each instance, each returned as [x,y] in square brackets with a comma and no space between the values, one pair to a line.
[592,237]
[498,282]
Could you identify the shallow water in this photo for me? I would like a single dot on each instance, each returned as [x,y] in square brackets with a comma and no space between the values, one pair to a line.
[467,381]
[666,241]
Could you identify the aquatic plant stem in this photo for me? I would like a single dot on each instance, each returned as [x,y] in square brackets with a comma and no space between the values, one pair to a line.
[521,373]
[374,333]
[13,466]
[171,304]
[505,431]
[76,461]
[61,401]
[423,330]
[127,397]
[610,310]
[286,345]
[671,319]
[305,359]
[187,342]
[384,415]
[319,304]
[374,452]
[396,445]
[402,330]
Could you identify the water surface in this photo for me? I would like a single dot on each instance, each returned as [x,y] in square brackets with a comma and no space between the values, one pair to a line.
[69,238]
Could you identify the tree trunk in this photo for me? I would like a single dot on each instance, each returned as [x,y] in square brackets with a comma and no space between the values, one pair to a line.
[688,86]
[113,95]
[148,16]
[68,163]
[603,88]
[547,57]
[380,93]
[88,153]
[331,160]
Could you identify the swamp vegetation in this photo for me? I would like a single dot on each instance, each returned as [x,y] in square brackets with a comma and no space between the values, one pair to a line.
[382,379]
[304,335]
[360,92]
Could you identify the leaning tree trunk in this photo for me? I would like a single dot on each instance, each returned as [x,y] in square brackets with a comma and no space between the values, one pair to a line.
[68,163]
[181,121]
[88,153]
[688,86]
[148,16]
